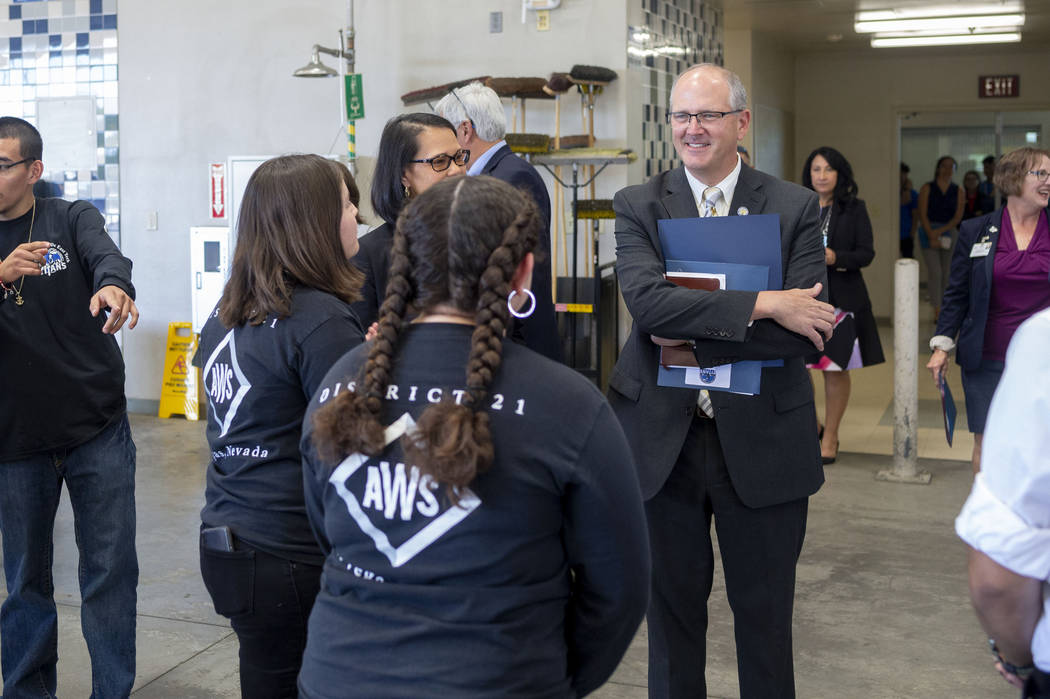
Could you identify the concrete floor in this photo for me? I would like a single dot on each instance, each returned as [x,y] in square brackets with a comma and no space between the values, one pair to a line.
[881,610]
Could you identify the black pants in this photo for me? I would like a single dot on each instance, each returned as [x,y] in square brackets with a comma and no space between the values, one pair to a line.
[1037,686]
[759,547]
[268,601]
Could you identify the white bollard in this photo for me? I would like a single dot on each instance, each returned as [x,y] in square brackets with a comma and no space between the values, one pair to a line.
[905,377]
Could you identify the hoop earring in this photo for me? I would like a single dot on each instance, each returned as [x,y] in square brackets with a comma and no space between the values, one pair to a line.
[521,314]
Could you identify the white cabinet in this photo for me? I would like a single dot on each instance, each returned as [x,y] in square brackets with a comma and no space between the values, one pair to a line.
[209,267]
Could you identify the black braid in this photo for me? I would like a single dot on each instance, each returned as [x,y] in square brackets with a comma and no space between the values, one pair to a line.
[351,423]
[455,441]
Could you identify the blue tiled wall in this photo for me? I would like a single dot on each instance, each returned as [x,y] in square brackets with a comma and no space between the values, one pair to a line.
[66,48]
[695,28]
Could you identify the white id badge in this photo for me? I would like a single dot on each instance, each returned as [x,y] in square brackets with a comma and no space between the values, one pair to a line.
[981,249]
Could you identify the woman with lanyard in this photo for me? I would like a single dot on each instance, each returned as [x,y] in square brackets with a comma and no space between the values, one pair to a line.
[999,278]
[846,231]
[941,206]
[416,151]
[283,320]
[477,502]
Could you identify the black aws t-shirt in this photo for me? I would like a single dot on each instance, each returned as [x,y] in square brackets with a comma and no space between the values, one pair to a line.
[259,379]
[532,587]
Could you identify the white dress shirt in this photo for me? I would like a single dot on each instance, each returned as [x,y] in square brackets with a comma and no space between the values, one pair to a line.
[1007,516]
[727,186]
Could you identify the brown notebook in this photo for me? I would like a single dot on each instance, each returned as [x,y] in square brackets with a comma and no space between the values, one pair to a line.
[681,356]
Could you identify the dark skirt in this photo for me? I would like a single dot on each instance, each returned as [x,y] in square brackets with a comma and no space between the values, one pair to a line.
[979,386]
[854,344]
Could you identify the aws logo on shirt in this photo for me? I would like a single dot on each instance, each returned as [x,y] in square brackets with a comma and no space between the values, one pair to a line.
[226,383]
[394,504]
[56,260]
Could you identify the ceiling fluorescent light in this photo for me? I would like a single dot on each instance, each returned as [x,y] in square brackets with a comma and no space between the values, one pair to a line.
[895,35]
[946,40]
[944,24]
[946,10]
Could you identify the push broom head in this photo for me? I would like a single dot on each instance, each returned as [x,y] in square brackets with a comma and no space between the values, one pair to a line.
[558,83]
[528,142]
[433,94]
[592,74]
[595,208]
[531,88]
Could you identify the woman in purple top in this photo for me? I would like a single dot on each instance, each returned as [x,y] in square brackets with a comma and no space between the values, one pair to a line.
[1000,275]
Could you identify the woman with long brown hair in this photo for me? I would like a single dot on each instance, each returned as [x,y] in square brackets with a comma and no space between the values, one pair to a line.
[476,501]
[283,320]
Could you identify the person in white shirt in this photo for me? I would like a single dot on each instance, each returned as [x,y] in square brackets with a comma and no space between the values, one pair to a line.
[1006,519]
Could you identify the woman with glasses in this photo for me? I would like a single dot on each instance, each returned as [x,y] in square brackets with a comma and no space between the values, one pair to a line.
[941,205]
[476,501]
[283,320]
[416,151]
[848,246]
[1000,275]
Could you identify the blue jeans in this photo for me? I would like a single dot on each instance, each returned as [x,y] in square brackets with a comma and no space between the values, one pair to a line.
[100,477]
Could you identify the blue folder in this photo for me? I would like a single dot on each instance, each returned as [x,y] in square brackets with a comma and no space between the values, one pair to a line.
[948,410]
[747,240]
[752,240]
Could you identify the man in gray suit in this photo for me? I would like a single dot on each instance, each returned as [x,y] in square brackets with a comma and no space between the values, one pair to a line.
[750,462]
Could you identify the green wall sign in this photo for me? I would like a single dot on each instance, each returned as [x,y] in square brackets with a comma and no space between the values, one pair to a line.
[355,97]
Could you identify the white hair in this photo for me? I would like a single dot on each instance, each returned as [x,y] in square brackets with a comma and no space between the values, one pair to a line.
[477,104]
[737,91]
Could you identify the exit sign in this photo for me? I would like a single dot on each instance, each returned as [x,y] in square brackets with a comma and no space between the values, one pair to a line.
[998,86]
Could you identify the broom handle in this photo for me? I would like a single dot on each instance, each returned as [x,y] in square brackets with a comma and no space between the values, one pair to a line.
[564,229]
[557,122]
[591,96]
[556,208]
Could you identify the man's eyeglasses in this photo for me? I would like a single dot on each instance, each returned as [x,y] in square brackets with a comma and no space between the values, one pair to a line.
[706,118]
[5,167]
[1040,174]
[441,162]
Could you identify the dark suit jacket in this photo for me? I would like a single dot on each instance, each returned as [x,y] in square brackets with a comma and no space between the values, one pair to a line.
[964,311]
[768,440]
[849,235]
[373,258]
[540,330]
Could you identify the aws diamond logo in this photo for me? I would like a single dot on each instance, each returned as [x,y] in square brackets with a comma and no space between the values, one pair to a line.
[226,383]
[399,508]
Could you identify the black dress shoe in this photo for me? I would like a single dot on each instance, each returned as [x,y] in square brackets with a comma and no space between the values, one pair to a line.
[830,459]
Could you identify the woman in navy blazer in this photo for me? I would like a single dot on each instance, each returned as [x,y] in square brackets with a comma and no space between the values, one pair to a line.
[848,246]
[1000,275]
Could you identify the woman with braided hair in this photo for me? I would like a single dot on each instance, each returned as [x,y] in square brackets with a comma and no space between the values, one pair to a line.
[476,502]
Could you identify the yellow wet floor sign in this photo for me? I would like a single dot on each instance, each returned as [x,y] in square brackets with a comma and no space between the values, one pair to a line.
[178,393]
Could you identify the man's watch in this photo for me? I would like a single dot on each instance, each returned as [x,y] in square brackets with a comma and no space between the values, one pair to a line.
[1022,671]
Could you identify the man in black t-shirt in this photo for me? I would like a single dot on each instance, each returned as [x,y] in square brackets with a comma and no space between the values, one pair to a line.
[64,420]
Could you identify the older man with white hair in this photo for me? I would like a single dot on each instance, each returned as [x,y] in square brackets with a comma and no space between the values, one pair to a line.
[480,122]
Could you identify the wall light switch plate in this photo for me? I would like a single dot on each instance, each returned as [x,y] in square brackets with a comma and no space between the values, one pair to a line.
[151,221]
[543,20]
[495,23]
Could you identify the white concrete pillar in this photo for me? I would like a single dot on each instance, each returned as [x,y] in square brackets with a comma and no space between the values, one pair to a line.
[905,377]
